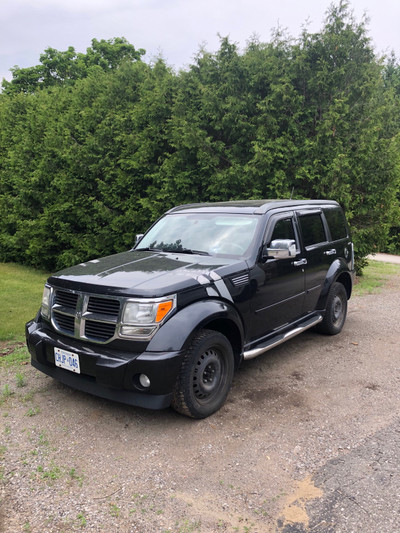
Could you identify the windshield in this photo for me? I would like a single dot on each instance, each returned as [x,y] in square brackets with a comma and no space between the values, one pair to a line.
[202,233]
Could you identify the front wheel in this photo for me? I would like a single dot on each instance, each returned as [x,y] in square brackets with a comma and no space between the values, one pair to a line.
[205,376]
[336,310]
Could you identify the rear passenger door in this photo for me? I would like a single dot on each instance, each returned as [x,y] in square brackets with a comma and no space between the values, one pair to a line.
[319,254]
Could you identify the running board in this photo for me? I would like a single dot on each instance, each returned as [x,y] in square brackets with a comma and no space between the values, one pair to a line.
[283,337]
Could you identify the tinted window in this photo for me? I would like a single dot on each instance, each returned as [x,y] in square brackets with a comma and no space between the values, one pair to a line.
[312,229]
[336,223]
[283,230]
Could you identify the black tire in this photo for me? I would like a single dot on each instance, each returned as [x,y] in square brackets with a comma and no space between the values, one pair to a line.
[336,310]
[205,376]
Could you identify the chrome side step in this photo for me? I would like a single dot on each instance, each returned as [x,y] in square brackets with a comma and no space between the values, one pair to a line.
[283,337]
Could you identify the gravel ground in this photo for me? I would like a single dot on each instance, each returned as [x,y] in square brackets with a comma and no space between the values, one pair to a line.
[307,441]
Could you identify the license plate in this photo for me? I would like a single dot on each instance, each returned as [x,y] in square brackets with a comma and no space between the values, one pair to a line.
[67,360]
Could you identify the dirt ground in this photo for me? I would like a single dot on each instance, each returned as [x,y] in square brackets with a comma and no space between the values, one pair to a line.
[305,425]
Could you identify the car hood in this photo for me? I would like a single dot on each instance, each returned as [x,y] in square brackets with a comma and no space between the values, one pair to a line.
[144,273]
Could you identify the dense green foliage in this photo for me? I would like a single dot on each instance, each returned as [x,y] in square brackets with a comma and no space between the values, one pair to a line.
[94,147]
[62,68]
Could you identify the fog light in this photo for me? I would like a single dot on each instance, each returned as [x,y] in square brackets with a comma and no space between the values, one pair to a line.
[144,381]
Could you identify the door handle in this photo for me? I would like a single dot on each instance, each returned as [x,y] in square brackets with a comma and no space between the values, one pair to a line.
[330,252]
[300,263]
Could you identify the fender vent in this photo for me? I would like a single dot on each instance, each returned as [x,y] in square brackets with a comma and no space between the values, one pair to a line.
[241,280]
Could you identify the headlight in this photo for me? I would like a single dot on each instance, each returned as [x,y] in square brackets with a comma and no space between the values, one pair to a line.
[45,309]
[142,317]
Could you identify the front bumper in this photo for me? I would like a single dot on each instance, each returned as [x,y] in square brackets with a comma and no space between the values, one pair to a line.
[108,373]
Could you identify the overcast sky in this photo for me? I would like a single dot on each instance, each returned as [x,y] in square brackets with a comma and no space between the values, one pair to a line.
[175,29]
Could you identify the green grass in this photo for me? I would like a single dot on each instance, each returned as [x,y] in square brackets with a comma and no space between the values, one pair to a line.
[21,291]
[20,380]
[82,519]
[374,277]
[49,474]
[14,355]
[6,392]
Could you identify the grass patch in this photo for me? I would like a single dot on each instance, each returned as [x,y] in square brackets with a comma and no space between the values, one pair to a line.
[114,510]
[188,526]
[21,291]
[14,354]
[374,277]
[7,392]
[20,380]
[33,411]
[82,519]
[49,474]
[75,476]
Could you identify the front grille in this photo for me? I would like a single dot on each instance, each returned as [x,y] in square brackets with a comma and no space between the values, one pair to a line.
[104,306]
[99,330]
[66,299]
[85,316]
[65,323]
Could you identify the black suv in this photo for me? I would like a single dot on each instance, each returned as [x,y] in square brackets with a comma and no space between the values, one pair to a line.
[207,286]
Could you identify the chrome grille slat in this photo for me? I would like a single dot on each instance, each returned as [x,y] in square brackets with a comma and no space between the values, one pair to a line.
[97,317]
[61,309]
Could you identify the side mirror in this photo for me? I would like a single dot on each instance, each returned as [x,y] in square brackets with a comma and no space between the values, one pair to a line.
[280,249]
[138,238]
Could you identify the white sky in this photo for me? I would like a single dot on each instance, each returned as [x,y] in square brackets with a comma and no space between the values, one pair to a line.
[176,29]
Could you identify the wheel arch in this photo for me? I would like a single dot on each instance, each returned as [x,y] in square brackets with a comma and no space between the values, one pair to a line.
[345,279]
[338,272]
[178,332]
[229,329]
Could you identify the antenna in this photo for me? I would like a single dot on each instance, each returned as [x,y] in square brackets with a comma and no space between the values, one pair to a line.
[291,194]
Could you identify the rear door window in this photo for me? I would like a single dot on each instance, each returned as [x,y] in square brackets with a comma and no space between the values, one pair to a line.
[312,229]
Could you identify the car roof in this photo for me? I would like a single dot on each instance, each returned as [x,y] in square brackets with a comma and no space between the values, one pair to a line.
[257,207]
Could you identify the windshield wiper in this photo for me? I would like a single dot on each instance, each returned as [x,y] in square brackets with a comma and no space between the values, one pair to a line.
[173,251]
[185,251]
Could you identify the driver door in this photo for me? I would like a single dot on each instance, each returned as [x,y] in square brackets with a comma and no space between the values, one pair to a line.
[280,283]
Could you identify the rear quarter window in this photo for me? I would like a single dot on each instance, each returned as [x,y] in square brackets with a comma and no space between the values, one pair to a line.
[336,222]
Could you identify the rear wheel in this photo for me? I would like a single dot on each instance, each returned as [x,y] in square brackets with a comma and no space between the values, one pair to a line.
[336,310]
[205,376]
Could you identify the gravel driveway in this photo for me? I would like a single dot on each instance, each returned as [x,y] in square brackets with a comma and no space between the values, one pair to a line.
[308,441]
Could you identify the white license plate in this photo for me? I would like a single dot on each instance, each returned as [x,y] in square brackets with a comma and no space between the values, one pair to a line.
[67,360]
